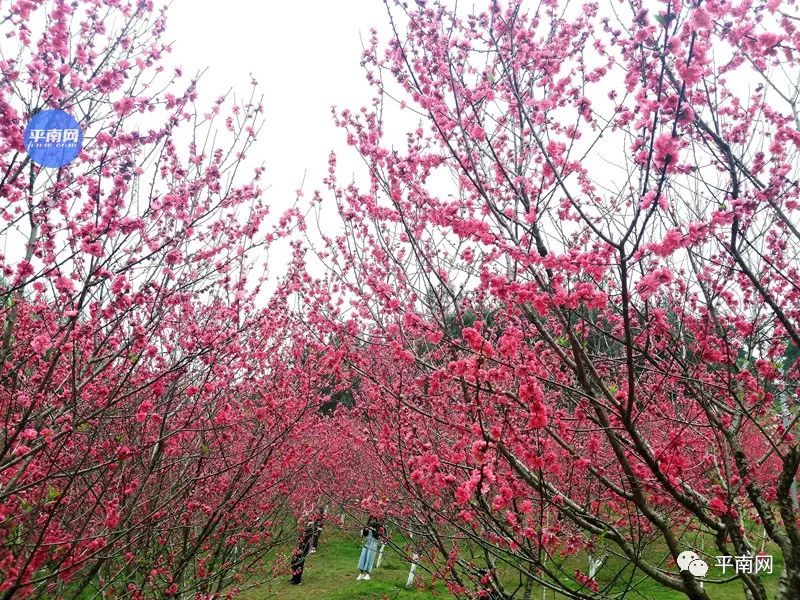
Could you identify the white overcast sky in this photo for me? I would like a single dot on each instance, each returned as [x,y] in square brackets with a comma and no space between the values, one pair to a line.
[305,54]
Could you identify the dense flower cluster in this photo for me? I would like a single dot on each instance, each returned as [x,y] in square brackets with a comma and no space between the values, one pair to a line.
[561,322]
[153,409]
[577,331]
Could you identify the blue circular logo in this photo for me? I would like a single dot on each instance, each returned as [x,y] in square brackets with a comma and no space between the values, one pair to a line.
[53,138]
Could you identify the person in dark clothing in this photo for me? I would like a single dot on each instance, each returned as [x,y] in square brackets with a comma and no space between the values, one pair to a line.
[318,521]
[300,553]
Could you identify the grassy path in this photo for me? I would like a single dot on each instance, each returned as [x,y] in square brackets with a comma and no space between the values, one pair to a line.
[330,574]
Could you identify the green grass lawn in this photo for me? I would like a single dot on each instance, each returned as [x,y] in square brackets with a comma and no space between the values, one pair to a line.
[330,574]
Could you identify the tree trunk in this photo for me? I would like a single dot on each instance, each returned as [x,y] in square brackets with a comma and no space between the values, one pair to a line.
[413,571]
[788,585]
